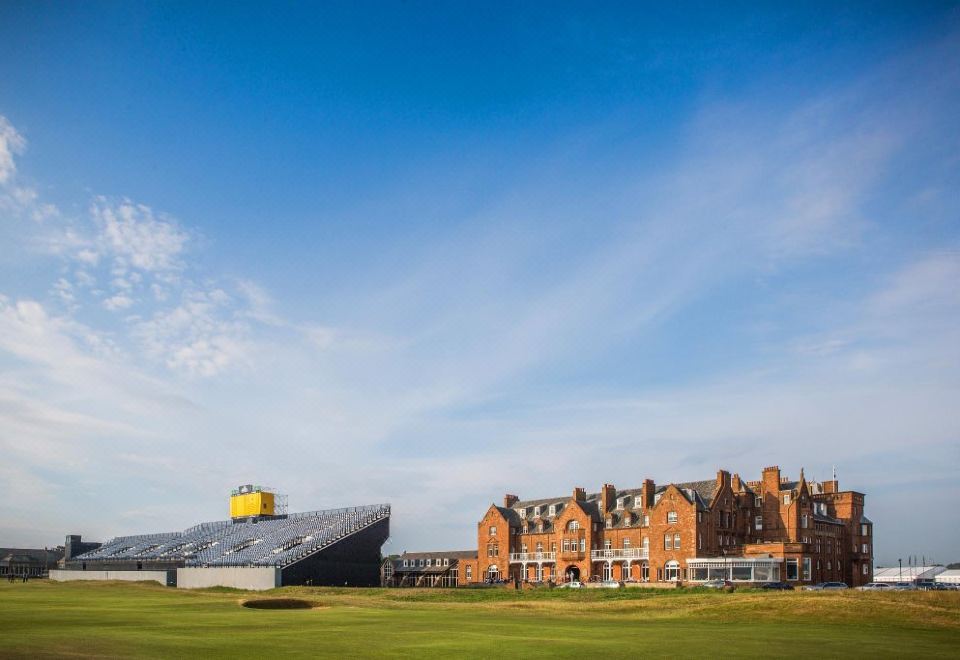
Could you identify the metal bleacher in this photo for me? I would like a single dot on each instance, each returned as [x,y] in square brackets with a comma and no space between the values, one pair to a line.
[260,541]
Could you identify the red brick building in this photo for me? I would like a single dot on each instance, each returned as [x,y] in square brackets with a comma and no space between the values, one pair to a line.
[770,530]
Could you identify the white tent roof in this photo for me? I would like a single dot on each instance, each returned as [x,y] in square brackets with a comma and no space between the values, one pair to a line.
[908,573]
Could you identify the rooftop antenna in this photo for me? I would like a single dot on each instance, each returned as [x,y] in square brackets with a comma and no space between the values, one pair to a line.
[834,472]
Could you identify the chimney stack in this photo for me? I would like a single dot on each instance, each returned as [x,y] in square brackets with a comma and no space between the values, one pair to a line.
[579,494]
[608,496]
[510,500]
[649,489]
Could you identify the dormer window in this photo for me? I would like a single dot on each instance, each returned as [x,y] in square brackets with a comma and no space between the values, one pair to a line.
[525,529]
[621,502]
[758,501]
[540,527]
[428,563]
[553,509]
[609,521]
[536,512]
[627,518]
[656,498]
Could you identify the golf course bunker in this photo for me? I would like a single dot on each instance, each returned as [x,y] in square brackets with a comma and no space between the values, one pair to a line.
[280,604]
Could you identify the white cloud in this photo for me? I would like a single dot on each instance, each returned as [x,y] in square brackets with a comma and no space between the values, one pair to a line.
[200,337]
[136,236]
[118,301]
[11,144]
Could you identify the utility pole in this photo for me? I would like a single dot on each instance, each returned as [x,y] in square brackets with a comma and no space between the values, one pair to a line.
[900,561]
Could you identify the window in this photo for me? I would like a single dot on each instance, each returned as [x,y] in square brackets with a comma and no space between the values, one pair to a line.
[829,565]
[804,521]
[539,547]
[758,501]
[626,544]
[536,511]
[792,572]
[553,509]
[667,542]
[523,548]
[405,565]
[645,543]
[699,541]
[493,530]
[566,545]
[758,522]
[699,516]
[428,563]
[446,561]
[469,572]
[607,544]
[421,563]
[865,549]
[621,501]
[676,541]
[866,569]
[540,528]
[553,547]
[864,530]
[806,568]
[525,529]
[786,498]
[583,545]
[646,520]
[672,517]
[609,522]
[493,572]
[671,571]
[573,525]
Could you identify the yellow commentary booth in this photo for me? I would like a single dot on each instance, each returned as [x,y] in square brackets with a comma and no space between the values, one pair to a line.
[251,500]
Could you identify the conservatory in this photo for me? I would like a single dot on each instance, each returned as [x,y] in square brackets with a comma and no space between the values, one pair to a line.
[735,569]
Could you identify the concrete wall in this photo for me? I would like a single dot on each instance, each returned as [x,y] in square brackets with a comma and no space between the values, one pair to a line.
[163,577]
[238,577]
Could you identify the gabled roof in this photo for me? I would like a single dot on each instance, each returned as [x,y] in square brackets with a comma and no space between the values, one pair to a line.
[702,490]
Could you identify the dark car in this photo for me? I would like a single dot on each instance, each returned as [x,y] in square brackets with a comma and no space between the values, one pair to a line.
[777,586]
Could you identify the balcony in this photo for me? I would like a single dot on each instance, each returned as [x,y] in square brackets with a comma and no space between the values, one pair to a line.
[619,554]
[519,557]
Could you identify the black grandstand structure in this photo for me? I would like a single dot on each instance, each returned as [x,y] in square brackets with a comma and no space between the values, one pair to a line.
[329,547]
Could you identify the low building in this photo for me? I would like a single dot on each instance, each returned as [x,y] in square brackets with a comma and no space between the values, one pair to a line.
[909,574]
[950,576]
[28,562]
[772,529]
[429,569]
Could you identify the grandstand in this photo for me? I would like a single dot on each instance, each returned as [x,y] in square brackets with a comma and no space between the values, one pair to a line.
[337,547]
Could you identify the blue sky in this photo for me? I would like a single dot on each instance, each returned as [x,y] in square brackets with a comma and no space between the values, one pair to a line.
[428,254]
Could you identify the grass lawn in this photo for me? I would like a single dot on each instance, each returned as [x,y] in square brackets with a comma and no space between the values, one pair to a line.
[44,619]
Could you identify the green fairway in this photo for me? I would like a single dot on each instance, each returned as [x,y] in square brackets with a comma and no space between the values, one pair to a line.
[43,618]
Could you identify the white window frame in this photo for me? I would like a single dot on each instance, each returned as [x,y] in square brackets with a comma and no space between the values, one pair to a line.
[671,517]
[758,522]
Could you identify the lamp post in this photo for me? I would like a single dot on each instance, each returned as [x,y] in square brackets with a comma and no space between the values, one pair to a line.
[900,561]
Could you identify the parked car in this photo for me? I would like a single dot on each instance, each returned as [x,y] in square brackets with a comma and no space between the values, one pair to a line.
[877,586]
[716,584]
[777,586]
[936,586]
[610,584]
[572,584]
[905,586]
[826,586]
